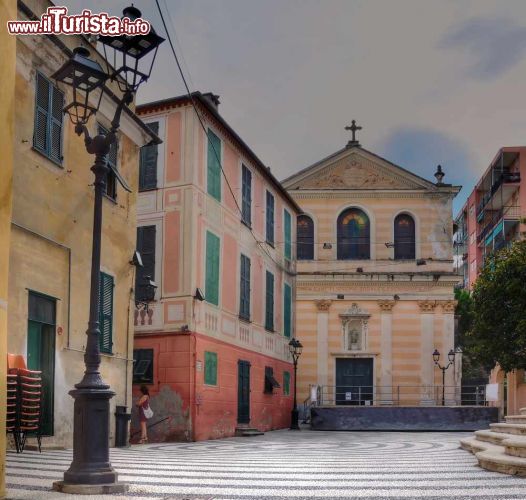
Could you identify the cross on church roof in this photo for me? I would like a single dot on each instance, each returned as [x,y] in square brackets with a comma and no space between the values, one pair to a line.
[353,128]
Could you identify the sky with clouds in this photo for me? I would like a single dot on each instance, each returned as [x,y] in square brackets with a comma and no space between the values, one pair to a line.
[431,82]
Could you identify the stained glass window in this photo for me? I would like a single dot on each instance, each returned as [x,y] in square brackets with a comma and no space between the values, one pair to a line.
[353,235]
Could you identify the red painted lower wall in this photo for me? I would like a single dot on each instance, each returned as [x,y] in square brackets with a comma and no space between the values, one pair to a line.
[185,408]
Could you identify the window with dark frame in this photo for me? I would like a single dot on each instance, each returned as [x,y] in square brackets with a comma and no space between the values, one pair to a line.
[287,234]
[404,237]
[143,366]
[148,162]
[246,195]
[111,179]
[270,381]
[47,134]
[213,178]
[304,238]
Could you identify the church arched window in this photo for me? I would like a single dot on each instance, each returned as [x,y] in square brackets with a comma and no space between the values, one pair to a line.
[404,237]
[305,238]
[354,232]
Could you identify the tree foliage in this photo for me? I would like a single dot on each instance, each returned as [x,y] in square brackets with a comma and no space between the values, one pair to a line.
[498,333]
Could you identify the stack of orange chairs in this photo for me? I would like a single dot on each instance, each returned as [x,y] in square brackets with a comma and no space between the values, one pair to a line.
[24,402]
[12,409]
[29,405]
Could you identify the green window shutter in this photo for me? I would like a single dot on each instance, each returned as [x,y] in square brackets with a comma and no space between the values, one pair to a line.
[287,310]
[286,383]
[244,288]
[212,269]
[270,218]
[111,180]
[47,135]
[148,162]
[146,247]
[214,166]
[210,368]
[269,301]
[287,230]
[246,195]
[55,124]
[106,313]
[42,105]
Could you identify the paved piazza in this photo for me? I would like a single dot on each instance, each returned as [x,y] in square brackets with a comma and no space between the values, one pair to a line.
[285,464]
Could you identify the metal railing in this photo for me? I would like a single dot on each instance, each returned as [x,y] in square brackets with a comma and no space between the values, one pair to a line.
[396,395]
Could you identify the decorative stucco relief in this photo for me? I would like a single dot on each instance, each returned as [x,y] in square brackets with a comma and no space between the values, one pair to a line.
[427,306]
[323,305]
[386,305]
[448,306]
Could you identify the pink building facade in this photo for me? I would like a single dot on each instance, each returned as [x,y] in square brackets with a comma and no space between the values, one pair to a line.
[214,233]
[492,218]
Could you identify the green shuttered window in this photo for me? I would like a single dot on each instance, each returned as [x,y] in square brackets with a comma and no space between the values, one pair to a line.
[47,134]
[270,218]
[212,269]
[146,247]
[106,313]
[286,383]
[269,301]
[244,288]
[210,368]
[111,180]
[246,194]
[214,166]
[287,310]
[287,225]
[148,162]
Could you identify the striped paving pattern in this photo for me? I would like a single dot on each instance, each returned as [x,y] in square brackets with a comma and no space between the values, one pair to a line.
[285,464]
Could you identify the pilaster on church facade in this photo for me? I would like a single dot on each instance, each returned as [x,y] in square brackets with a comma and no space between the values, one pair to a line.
[375,268]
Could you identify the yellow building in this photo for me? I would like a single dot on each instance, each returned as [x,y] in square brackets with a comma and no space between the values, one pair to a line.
[51,233]
[7,107]
[375,281]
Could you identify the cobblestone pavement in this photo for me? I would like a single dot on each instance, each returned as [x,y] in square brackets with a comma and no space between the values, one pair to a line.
[285,464]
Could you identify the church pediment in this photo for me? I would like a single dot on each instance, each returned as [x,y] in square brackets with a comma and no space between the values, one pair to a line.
[356,168]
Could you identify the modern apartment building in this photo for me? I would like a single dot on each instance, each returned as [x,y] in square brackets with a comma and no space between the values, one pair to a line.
[492,218]
[215,234]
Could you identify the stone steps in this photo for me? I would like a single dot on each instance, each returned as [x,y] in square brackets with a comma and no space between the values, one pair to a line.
[516,429]
[502,448]
[516,419]
[248,432]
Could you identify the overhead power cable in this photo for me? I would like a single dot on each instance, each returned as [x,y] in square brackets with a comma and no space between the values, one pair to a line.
[216,153]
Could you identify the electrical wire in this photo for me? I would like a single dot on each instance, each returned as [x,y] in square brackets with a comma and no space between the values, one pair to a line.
[216,154]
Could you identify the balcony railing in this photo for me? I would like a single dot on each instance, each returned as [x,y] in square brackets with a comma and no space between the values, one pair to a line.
[505,178]
[508,212]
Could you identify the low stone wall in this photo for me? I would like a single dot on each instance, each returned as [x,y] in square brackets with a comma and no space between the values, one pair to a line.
[402,418]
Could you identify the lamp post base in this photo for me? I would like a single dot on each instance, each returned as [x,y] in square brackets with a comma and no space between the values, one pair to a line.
[294,419]
[91,470]
[90,489]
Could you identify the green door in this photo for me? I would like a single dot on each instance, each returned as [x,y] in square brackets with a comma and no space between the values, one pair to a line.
[41,352]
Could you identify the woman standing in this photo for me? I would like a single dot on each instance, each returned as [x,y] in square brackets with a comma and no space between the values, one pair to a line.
[144,405]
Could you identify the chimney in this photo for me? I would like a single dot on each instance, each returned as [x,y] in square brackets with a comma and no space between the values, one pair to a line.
[212,99]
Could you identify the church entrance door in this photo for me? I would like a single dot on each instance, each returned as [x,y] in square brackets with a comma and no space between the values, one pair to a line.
[354,381]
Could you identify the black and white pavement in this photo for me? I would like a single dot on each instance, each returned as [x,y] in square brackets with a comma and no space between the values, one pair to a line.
[285,464]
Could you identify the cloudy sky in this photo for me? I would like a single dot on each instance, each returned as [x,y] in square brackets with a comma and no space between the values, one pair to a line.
[430,81]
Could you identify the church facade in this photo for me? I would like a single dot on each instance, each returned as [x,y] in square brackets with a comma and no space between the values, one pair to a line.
[375,282]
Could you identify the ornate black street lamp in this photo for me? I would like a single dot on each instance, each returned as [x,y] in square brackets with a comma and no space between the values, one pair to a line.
[295,348]
[451,359]
[91,470]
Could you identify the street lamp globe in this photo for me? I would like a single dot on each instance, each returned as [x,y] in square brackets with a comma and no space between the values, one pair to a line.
[85,76]
[436,356]
[451,355]
[128,51]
